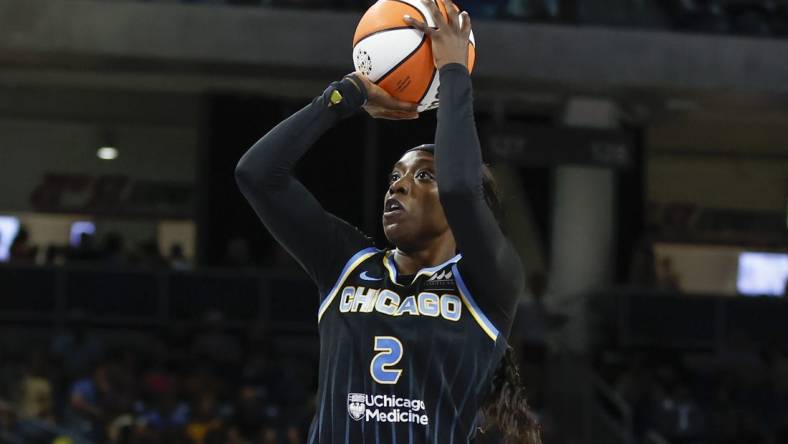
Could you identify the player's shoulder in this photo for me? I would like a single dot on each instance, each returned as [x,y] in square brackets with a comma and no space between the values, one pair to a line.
[364,255]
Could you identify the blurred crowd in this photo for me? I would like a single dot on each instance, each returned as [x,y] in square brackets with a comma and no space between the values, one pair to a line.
[739,395]
[209,383]
[748,17]
[479,8]
[111,251]
[201,386]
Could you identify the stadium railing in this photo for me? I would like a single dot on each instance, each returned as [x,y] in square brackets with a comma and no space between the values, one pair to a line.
[140,298]
[287,301]
[612,419]
[656,319]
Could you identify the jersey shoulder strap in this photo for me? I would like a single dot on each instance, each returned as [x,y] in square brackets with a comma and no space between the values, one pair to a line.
[473,307]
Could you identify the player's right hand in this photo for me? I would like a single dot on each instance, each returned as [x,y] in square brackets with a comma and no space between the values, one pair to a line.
[380,104]
[451,35]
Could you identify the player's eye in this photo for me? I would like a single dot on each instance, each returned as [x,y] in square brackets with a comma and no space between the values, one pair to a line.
[393,177]
[425,175]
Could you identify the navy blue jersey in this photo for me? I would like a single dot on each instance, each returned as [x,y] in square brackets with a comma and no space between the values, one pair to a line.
[401,362]
[403,359]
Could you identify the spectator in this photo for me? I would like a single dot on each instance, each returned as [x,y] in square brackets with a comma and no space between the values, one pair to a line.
[177,260]
[112,249]
[205,420]
[234,436]
[643,268]
[250,409]
[148,255]
[22,251]
[55,255]
[90,400]
[212,343]
[35,390]
[166,419]
[667,277]
[76,349]
[8,420]
[112,404]
[85,252]
[266,399]
[291,397]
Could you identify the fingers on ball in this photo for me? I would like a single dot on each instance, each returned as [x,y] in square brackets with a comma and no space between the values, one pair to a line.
[434,10]
[466,22]
[421,26]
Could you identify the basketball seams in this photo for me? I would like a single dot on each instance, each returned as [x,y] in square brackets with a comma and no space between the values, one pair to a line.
[421,14]
[398,66]
[431,93]
[429,84]
[404,59]
[423,11]
[402,2]
[398,28]
[406,40]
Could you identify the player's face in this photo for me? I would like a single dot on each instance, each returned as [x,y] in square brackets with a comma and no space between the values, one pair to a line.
[412,213]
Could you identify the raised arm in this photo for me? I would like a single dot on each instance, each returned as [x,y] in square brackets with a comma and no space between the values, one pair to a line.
[318,240]
[489,262]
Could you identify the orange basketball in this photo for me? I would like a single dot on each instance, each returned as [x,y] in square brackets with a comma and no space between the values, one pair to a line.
[397,56]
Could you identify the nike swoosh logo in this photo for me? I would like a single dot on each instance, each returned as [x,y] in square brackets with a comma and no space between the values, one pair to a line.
[367,277]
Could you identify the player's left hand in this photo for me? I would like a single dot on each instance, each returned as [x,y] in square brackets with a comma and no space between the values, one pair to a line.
[382,105]
[449,38]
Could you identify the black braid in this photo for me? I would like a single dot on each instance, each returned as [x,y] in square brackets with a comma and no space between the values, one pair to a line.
[506,407]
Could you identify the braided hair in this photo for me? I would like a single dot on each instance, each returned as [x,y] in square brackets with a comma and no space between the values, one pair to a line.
[506,407]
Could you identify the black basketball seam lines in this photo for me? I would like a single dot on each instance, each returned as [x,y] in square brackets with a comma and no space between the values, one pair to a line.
[426,90]
[404,59]
[423,39]
[382,30]
[423,19]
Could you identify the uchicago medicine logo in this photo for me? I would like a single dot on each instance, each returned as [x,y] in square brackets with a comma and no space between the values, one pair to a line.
[386,408]
[355,405]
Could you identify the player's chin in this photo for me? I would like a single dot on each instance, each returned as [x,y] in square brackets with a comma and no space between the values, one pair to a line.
[390,230]
[395,231]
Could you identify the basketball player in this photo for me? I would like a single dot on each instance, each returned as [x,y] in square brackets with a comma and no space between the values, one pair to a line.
[413,338]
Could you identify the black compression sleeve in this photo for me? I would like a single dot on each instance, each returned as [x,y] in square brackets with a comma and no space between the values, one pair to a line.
[318,240]
[490,265]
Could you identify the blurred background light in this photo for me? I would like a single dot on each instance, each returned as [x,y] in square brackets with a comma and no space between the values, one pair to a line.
[107,153]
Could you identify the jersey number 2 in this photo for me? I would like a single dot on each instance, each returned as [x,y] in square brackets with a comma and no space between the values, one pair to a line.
[390,353]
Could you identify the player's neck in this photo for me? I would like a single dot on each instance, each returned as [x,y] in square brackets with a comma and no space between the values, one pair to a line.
[410,261]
